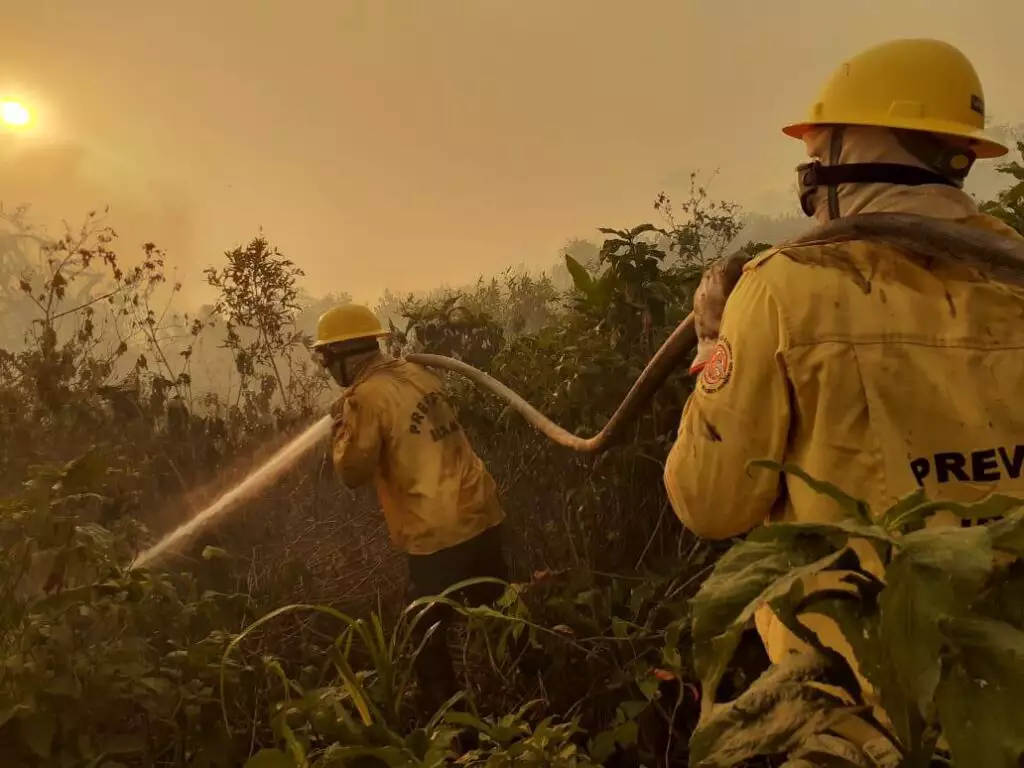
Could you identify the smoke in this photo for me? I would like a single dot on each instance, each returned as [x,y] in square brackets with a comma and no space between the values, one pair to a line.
[62,181]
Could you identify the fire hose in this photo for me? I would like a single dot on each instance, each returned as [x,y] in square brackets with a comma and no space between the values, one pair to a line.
[668,357]
[999,257]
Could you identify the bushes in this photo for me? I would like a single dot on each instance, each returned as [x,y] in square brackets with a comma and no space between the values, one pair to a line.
[105,434]
[99,663]
[133,441]
[933,615]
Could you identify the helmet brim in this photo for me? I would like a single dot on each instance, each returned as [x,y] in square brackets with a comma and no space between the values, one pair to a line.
[984,146]
[320,343]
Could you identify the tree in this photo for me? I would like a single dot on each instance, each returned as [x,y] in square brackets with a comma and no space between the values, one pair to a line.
[707,226]
[1009,204]
[258,294]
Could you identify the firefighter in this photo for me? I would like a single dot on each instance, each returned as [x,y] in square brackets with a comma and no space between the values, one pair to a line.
[394,428]
[855,361]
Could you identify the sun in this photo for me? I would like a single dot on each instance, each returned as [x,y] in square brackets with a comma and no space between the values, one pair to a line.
[14,113]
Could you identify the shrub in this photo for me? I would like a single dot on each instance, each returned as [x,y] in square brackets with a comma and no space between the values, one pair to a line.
[938,633]
[106,433]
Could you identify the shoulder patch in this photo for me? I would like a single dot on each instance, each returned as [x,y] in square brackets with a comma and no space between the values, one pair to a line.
[718,371]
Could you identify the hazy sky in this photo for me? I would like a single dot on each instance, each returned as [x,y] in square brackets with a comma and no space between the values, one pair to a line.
[406,144]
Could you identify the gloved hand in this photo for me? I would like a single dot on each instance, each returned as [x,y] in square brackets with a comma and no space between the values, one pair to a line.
[709,303]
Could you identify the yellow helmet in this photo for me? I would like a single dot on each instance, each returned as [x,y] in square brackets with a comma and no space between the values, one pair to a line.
[915,84]
[347,322]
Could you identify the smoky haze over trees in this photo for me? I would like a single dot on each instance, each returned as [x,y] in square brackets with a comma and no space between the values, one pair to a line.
[471,137]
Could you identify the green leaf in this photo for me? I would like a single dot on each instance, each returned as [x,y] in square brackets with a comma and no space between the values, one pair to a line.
[1008,534]
[648,685]
[639,595]
[581,279]
[465,719]
[964,555]
[1003,598]
[270,758]
[995,505]
[37,731]
[936,575]
[903,512]
[858,620]
[748,576]
[418,742]
[855,508]
[781,710]
[603,744]
[826,750]
[352,685]
[641,229]
[979,697]
[1014,194]
[837,534]
[631,710]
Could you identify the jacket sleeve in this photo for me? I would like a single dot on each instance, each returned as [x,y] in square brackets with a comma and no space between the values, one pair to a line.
[739,411]
[358,442]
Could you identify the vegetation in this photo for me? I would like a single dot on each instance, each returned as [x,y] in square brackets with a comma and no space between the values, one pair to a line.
[933,615]
[279,638]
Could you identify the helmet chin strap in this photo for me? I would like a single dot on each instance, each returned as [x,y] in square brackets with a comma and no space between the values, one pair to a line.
[951,163]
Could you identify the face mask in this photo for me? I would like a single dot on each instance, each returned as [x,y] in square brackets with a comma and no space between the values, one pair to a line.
[336,365]
[338,368]
[338,360]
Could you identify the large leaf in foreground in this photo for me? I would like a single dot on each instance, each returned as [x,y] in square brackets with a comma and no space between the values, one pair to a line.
[858,620]
[747,577]
[854,508]
[979,697]
[780,711]
[825,750]
[837,533]
[1008,533]
[914,509]
[935,575]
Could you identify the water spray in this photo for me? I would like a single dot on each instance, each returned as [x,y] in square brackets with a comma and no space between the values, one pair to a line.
[256,481]
[991,253]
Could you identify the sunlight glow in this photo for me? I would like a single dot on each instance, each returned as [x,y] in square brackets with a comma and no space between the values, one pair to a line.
[14,113]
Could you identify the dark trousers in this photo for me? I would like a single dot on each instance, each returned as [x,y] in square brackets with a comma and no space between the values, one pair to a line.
[430,575]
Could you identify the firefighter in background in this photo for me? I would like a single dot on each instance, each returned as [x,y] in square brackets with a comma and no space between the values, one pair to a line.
[855,361]
[394,428]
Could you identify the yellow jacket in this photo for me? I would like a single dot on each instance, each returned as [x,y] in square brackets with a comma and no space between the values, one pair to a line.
[867,370]
[401,433]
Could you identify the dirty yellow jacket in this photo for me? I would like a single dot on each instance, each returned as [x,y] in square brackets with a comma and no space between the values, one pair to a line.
[866,369]
[400,433]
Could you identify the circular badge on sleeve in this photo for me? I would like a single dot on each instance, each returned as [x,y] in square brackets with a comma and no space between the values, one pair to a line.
[718,371]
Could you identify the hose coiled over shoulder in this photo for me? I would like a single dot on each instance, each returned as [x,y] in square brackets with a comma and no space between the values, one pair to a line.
[999,257]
